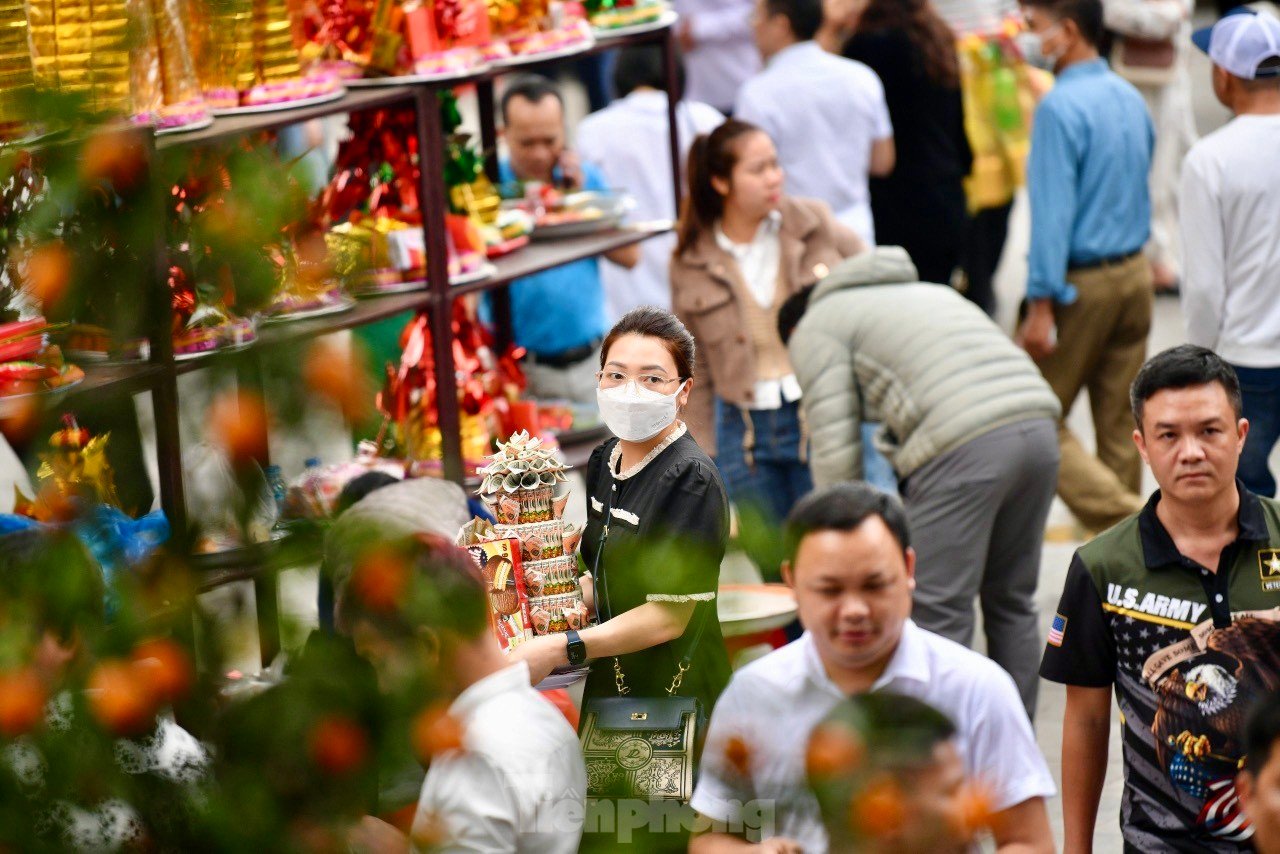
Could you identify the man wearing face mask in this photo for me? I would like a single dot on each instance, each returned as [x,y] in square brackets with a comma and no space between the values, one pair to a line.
[1089,292]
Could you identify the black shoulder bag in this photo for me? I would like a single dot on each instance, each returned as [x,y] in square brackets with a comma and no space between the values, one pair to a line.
[640,747]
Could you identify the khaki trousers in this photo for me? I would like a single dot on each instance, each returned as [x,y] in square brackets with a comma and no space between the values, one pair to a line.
[1102,342]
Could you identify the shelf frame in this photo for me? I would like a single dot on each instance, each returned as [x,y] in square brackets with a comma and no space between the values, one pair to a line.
[159,375]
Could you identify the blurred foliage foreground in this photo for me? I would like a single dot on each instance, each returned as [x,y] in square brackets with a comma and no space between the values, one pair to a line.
[118,730]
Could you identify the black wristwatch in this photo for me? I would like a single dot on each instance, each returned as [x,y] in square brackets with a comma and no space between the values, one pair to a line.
[577,648]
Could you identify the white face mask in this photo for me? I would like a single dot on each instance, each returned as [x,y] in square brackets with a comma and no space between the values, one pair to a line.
[1032,47]
[636,414]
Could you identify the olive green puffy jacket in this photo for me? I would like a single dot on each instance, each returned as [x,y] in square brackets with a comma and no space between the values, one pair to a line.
[877,345]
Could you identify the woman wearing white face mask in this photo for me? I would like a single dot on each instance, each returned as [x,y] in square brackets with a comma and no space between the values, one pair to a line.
[657,526]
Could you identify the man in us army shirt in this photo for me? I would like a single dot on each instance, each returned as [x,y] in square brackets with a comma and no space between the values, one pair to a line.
[1176,609]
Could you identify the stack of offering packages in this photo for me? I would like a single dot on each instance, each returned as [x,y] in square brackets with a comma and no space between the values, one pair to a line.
[519,486]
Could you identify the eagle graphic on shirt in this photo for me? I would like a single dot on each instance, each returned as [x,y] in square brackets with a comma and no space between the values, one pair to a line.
[1203,701]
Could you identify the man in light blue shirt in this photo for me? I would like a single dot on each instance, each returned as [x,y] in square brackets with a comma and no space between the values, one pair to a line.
[826,115]
[558,315]
[1089,292]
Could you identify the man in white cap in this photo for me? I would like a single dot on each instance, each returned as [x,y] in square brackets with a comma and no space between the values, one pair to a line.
[1231,205]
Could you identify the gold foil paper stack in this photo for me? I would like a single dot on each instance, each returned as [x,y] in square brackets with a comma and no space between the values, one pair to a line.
[275,52]
[82,46]
[221,37]
[179,85]
[245,50]
[16,78]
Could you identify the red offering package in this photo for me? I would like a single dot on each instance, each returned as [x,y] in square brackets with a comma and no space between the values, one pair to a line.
[503,573]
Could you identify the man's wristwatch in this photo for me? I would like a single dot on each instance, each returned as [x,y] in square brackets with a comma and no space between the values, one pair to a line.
[577,648]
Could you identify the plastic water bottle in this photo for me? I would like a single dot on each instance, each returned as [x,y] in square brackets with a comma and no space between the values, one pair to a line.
[275,482]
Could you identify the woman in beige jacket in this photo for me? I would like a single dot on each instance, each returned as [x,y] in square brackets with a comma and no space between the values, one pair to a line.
[743,249]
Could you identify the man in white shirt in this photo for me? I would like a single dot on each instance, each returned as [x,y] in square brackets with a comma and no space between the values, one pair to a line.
[719,49]
[517,783]
[1230,210]
[852,570]
[628,141]
[826,114]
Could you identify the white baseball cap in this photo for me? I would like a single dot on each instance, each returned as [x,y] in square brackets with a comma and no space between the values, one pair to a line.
[1241,41]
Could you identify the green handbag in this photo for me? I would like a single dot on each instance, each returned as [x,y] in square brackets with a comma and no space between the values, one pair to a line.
[641,747]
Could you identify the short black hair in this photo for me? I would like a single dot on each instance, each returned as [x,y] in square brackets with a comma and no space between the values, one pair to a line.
[642,66]
[1182,367]
[805,16]
[1087,15]
[358,487]
[531,87]
[844,507]
[792,311]
[1261,731]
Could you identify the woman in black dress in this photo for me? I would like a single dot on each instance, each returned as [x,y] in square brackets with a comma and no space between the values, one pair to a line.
[657,525]
[921,206]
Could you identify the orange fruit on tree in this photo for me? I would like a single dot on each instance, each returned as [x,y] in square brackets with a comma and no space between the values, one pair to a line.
[238,422]
[165,666]
[121,697]
[833,750]
[330,370]
[22,699]
[338,745]
[879,809]
[380,579]
[113,156]
[738,754]
[435,731]
[48,271]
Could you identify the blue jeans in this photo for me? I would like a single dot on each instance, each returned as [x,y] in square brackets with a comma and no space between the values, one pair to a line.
[876,469]
[763,457]
[1260,388]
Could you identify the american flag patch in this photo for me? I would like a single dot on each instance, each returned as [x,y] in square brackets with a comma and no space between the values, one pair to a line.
[1057,630]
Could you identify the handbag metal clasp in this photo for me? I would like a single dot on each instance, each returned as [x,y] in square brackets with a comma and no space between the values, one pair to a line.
[639,716]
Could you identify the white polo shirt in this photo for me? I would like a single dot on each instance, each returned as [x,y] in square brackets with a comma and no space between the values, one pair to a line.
[774,703]
[519,785]
[823,112]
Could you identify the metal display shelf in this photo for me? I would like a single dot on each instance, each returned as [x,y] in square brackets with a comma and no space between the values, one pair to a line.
[224,127]
[159,376]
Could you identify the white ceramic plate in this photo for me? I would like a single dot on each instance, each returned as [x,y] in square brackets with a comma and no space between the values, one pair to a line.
[12,404]
[346,304]
[479,274]
[748,609]
[280,105]
[200,125]
[372,82]
[663,21]
[526,58]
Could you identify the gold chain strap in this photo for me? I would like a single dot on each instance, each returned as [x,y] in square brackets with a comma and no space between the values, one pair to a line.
[620,679]
[677,679]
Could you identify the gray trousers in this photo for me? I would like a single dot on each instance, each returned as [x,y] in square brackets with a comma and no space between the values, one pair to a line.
[977,515]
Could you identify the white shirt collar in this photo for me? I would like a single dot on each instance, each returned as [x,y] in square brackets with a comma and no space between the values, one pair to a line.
[768,229]
[509,678]
[910,662]
[647,100]
[799,52]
